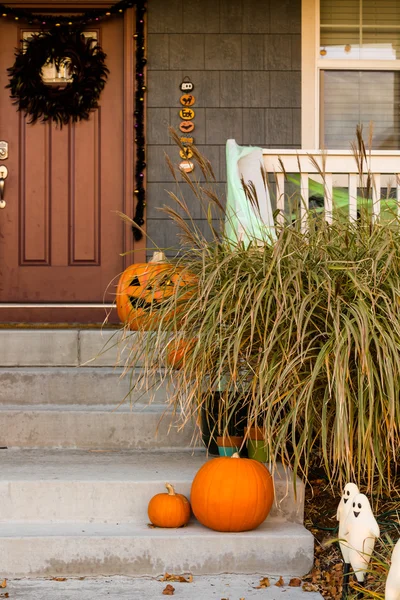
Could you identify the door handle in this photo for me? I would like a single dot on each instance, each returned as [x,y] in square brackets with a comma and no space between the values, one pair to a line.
[3,177]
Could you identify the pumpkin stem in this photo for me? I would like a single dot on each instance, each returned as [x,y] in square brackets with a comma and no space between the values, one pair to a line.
[235,455]
[170,488]
[158,257]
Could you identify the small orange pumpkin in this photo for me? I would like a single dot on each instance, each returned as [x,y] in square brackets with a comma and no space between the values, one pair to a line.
[232,494]
[170,509]
[143,286]
[177,351]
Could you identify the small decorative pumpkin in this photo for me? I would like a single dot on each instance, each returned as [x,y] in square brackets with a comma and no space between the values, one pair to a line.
[142,287]
[177,351]
[232,494]
[170,509]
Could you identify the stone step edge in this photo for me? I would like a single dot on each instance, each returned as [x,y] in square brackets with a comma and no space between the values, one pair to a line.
[135,407]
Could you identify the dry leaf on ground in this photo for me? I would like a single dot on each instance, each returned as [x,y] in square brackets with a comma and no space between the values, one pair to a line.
[59,579]
[168,590]
[179,578]
[3,583]
[309,587]
[280,582]
[295,582]
[264,583]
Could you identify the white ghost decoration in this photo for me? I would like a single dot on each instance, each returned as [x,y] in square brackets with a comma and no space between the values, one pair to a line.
[360,531]
[345,504]
[392,589]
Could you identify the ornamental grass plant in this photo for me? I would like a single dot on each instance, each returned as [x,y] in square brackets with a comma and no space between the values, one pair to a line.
[301,333]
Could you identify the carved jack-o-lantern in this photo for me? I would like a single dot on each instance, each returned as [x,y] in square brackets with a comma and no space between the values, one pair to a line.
[142,288]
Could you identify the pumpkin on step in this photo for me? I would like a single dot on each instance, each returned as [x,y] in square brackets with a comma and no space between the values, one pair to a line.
[232,494]
[178,350]
[169,509]
[143,286]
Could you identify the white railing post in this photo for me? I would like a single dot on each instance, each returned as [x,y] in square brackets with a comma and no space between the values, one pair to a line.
[353,196]
[328,195]
[304,201]
[376,196]
[280,197]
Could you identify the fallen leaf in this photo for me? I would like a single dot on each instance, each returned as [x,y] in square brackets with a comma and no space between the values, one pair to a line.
[309,587]
[280,582]
[264,583]
[168,590]
[3,583]
[59,579]
[295,582]
[179,578]
[6,595]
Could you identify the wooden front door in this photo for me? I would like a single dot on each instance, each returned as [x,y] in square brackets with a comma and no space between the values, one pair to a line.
[61,238]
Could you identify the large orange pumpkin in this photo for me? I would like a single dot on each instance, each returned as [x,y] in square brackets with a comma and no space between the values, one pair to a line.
[143,286]
[232,494]
[170,509]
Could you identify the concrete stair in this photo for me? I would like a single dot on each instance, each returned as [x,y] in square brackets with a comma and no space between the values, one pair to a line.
[66,389]
[79,465]
[82,513]
[92,427]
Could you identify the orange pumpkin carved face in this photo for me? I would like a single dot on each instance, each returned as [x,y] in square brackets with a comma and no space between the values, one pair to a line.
[142,288]
[232,494]
[169,510]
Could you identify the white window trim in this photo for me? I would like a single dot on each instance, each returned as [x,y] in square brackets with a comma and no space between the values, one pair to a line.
[311,65]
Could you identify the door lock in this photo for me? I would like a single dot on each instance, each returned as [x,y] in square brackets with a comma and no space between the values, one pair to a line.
[3,177]
[3,150]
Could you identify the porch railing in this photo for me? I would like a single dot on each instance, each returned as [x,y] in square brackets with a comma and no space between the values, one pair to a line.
[339,169]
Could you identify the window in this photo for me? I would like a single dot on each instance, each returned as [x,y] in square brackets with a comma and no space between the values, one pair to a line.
[360,29]
[351,72]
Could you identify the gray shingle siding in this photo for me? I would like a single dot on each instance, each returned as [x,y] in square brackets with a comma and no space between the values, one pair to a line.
[243,57]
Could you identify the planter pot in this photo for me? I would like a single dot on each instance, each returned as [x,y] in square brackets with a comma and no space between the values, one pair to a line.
[256,447]
[228,445]
[209,424]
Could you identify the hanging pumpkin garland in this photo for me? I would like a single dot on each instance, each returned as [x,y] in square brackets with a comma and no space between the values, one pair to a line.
[68,101]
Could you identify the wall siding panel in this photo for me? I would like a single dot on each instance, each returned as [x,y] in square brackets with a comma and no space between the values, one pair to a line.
[243,57]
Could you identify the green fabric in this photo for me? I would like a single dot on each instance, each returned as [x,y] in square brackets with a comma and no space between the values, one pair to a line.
[242,221]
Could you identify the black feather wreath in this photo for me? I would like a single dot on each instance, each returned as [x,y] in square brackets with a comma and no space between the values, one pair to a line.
[71,101]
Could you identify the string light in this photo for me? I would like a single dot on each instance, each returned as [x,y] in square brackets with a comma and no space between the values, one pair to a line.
[140,162]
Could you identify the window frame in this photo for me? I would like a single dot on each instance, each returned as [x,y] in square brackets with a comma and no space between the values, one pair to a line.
[312,65]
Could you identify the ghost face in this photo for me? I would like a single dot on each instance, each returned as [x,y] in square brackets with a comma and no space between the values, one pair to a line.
[350,490]
[361,506]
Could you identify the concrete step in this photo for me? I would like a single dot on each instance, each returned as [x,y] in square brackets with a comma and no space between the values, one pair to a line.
[70,385]
[68,549]
[211,587]
[65,347]
[108,487]
[96,427]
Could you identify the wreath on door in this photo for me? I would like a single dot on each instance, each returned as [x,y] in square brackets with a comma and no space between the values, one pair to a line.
[70,100]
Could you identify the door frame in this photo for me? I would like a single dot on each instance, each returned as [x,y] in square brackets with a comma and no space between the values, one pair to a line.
[134,251]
